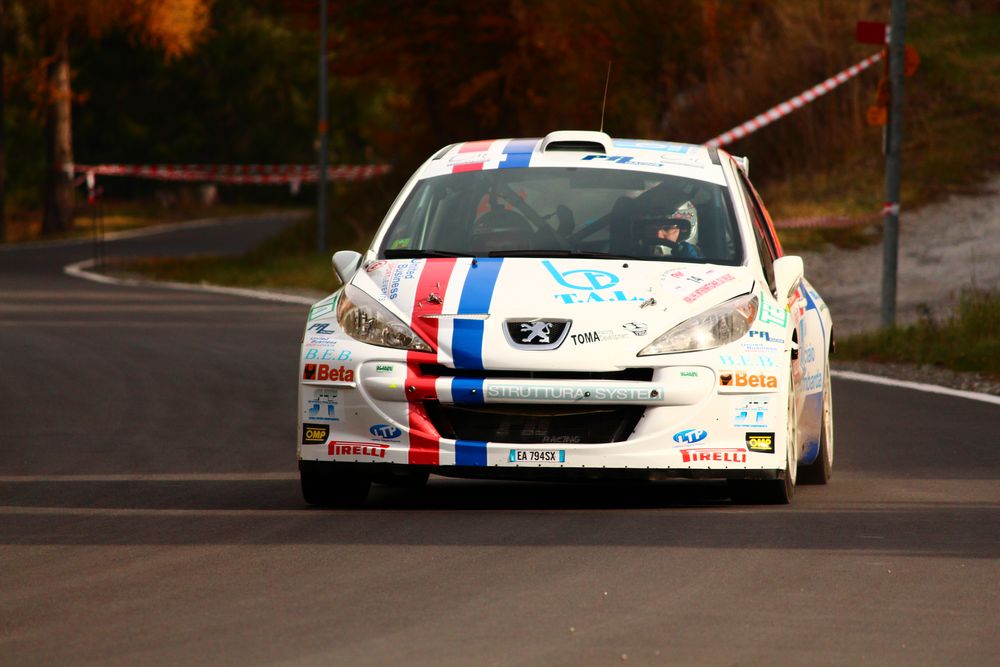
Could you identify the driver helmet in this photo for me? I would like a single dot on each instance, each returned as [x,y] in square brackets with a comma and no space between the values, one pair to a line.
[653,227]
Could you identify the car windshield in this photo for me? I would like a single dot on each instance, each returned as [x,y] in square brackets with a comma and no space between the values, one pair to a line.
[548,211]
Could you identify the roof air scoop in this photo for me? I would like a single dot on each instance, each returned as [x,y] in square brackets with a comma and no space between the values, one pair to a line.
[582,141]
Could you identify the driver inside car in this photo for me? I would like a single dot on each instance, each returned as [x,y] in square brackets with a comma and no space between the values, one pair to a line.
[665,235]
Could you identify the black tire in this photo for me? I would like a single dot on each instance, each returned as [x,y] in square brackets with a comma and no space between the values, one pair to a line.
[820,470]
[334,489]
[761,491]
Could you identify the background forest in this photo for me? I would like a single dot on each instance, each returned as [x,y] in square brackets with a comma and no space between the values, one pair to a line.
[235,82]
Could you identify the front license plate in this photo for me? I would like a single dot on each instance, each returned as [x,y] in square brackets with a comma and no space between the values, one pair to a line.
[538,456]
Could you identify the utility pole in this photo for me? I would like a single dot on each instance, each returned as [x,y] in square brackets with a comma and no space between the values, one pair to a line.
[893,150]
[323,129]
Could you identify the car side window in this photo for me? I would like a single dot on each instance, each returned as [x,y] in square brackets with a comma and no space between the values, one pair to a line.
[765,246]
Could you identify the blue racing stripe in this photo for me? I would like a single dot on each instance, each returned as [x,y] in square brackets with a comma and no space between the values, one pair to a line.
[518,152]
[477,293]
[467,391]
[470,453]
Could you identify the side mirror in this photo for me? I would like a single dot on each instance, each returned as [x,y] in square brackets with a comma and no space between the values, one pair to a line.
[345,264]
[788,271]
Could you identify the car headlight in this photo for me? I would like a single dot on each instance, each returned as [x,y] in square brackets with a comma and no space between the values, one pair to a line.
[363,318]
[719,326]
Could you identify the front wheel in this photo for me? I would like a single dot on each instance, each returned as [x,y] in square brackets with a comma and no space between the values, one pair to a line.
[334,489]
[820,470]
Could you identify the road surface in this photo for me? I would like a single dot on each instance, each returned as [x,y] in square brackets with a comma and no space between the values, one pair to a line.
[150,514]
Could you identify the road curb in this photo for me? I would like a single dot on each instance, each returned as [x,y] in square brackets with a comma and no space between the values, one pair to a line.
[81,270]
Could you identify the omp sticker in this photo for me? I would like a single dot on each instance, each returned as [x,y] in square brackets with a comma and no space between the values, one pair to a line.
[761,442]
[315,434]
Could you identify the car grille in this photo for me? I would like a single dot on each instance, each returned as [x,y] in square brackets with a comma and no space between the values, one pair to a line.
[627,374]
[524,424]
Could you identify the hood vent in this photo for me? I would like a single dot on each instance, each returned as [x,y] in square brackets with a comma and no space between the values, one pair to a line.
[578,141]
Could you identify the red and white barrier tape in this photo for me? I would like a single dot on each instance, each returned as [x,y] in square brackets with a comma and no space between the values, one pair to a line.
[236,174]
[800,100]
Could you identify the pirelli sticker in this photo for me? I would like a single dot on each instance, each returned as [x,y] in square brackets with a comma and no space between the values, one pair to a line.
[315,434]
[761,442]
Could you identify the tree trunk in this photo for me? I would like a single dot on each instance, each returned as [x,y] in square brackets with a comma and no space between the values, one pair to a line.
[59,142]
[3,126]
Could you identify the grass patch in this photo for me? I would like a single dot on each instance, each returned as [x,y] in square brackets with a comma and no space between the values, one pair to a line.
[814,239]
[968,341]
[286,261]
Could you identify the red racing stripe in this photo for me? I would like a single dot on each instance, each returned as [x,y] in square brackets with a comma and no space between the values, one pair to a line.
[425,441]
[472,147]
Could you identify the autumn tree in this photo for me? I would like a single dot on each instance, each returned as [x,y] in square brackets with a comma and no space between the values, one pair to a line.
[173,26]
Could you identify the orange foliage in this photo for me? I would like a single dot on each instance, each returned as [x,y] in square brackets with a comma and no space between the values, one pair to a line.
[174,26]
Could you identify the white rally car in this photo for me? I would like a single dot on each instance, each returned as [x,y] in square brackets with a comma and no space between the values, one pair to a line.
[570,307]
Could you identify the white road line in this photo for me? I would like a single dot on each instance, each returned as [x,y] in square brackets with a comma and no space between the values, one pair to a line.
[79,270]
[917,386]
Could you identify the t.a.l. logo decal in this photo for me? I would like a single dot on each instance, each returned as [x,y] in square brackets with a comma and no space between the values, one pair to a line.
[589,285]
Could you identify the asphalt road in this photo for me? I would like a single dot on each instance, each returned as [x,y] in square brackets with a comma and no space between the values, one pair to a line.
[150,514]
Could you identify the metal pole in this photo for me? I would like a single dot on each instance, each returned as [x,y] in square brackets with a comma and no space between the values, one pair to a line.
[323,134]
[894,145]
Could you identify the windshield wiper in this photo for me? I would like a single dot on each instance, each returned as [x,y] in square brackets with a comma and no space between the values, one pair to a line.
[412,253]
[585,254]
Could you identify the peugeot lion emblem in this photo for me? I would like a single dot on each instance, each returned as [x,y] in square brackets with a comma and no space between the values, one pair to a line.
[536,334]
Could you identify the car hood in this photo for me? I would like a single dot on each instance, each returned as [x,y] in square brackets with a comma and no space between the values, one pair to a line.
[484,313]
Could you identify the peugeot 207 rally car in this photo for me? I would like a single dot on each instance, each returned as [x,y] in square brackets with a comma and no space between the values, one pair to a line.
[570,307]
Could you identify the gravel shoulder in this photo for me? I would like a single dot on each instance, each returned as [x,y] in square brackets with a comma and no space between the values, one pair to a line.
[943,248]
